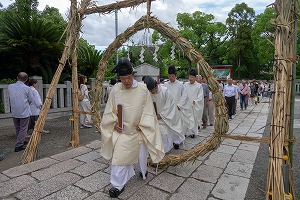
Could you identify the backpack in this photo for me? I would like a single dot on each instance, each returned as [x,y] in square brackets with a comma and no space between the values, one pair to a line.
[80,95]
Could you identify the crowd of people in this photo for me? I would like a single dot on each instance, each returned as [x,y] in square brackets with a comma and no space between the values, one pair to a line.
[152,117]
[247,92]
[144,118]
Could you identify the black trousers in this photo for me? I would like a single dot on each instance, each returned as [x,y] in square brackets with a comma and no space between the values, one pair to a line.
[230,102]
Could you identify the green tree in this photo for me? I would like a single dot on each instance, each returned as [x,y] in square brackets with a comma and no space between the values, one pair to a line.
[204,33]
[24,8]
[30,40]
[52,15]
[263,38]
[88,58]
[241,50]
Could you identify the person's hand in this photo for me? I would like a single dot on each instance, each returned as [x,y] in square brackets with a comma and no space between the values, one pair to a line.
[118,128]
[158,117]
[138,128]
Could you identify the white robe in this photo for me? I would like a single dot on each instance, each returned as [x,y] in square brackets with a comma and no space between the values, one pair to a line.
[178,91]
[196,98]
[129,147]
[170,122]
[123,148]
[85,105]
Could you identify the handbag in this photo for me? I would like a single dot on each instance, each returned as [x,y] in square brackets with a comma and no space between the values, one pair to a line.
[255,99]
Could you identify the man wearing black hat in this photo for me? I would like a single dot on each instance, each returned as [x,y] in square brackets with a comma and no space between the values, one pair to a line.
[196,97]
[178,91]
[126,143]
[167,113]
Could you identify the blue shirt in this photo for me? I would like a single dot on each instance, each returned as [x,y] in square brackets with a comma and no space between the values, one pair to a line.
[20,97]
[230,91]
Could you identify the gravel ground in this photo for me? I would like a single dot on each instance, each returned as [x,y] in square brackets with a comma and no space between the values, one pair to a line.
[56,141]
[257,185]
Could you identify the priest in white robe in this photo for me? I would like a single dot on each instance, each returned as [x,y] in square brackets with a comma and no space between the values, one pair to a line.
[178,91]
[128,145]
[167,113]
[196,98]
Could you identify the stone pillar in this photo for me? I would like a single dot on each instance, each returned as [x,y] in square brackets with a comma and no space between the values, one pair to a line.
[93,82]
[69,93]
[6,100]
[61,100]
[40,85]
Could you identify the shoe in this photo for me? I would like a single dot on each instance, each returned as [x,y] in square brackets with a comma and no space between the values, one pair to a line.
[141,175]
[21,148]
[211,124]
[114,192]
[87,126]
[193,136]
[176,146]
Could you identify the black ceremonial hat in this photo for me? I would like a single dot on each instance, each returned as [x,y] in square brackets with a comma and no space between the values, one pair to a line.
[192,72]
[123,67]
[171,69]
[150,82]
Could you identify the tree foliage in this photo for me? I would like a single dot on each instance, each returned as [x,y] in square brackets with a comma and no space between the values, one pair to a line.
[241,49]
[88,58]
[263,38]
[30,40]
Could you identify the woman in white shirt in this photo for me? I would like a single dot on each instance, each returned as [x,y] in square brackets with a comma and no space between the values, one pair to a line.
[85,105]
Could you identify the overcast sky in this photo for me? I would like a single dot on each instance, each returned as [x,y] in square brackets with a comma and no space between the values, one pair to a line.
[99,30]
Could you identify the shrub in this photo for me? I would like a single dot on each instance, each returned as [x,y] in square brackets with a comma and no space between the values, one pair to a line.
[7,81]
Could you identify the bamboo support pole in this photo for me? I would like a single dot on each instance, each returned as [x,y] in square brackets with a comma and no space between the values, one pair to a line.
[29,154]
[106,9]
[75,28]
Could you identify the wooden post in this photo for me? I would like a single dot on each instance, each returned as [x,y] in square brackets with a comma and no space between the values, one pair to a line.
[74,139]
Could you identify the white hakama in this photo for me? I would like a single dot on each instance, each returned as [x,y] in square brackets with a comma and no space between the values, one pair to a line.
[120,174]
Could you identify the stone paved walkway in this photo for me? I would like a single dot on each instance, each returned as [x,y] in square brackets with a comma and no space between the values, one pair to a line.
[81,173]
